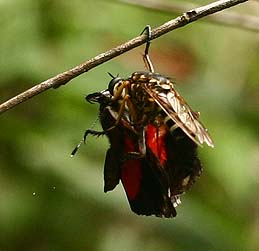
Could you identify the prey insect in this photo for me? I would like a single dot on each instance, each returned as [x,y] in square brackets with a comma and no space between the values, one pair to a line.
[153,136]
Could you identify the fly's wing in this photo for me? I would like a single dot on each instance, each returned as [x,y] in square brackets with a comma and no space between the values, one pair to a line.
[180,112]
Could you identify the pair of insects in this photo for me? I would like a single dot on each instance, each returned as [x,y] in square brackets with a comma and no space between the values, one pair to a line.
[153,135]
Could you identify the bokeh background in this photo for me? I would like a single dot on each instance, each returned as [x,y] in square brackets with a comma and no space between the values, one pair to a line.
[49,201]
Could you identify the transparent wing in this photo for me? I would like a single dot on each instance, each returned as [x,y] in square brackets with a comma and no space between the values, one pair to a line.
[180,112]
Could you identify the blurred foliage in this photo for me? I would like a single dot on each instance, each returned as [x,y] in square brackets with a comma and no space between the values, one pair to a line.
[49,201]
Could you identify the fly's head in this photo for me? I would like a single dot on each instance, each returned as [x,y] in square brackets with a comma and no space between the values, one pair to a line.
[118,88]
[114,85]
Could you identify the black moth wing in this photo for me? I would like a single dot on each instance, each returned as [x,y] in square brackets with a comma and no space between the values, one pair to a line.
[174,105]
[112,159]
[152,195]
[177,157]
[183,165]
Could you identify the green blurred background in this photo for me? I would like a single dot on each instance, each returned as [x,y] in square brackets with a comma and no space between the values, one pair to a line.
[49,201]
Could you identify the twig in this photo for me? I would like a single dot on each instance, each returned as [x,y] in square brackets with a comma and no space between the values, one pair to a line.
[63,78]
[241,21]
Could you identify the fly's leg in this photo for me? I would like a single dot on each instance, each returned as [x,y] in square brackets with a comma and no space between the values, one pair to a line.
[146,58]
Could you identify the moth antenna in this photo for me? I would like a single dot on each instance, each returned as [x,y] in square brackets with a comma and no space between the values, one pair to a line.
[82,140]
[76,148]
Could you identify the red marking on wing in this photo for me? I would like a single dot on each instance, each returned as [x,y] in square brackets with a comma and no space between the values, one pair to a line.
[131,171]
[155,139]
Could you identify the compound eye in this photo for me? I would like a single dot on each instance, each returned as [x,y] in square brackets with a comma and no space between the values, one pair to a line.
[114,84]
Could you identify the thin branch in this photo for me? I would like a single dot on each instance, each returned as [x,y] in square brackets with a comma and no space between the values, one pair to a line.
[65,77]
[233,19]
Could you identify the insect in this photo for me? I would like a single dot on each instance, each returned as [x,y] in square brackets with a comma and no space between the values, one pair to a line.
[153,136]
